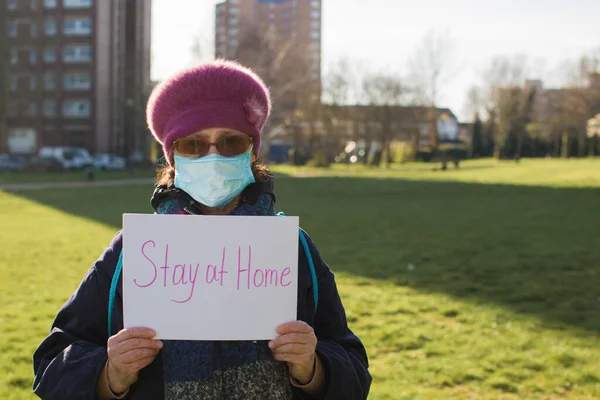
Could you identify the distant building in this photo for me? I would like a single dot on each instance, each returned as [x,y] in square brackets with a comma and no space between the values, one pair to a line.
[406,123]
[78,73]
[280,40]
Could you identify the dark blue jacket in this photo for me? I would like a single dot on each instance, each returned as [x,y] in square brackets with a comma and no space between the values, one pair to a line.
[68,362]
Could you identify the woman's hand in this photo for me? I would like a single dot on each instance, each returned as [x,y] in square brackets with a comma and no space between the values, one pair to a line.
[129,351]
[296,345]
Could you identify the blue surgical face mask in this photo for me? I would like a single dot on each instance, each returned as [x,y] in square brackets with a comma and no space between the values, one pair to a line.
[214,180]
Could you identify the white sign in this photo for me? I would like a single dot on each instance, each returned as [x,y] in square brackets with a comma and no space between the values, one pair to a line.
[209,277]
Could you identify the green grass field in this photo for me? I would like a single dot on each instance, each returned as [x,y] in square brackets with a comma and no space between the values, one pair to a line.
[70,176]
[502,300]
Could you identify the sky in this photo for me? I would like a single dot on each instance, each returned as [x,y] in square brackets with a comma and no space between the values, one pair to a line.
[383,35]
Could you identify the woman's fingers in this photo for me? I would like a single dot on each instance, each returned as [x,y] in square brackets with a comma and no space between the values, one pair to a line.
[305,359]
[294,326]
[135,355]
[131,350]
[130,333]
[143,363]
[300,338]
[294,348]
[137,343]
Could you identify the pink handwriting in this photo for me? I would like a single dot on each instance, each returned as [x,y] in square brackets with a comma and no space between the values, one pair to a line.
[186,274]
[154,265]
[211,271]
[260,277]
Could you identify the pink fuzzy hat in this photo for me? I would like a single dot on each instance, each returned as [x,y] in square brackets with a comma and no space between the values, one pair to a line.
[220,94]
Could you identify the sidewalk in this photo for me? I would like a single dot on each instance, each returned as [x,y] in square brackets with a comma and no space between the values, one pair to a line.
[76,184]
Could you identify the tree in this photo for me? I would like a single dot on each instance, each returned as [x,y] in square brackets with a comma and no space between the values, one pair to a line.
[477,149]
[283,69]
[430,66]
[343,86]
[502,99]
[4,83]
[474,103]
[198,50]
[383,92]
[580,101]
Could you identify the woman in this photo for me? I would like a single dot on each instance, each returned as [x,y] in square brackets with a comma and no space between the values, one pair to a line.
[209,121]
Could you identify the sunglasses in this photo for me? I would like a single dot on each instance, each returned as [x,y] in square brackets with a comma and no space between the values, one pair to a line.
[227,146]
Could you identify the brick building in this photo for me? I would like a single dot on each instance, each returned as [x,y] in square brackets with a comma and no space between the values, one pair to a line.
[77,73]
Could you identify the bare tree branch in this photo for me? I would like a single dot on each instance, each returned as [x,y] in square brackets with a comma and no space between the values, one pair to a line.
[431,65]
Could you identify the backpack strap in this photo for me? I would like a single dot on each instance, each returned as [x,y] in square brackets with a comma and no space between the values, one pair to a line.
[113,291]
[311,266]
[119,268]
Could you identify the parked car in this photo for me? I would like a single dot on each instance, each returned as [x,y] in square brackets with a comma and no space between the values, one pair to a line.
[44,164]
[107,162]
[69,157]
[11,163]
[5,164]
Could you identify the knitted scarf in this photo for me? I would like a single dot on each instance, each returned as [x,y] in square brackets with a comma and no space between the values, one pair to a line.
[228,369]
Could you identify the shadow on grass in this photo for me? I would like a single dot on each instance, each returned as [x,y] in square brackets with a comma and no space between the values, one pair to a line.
[535,250]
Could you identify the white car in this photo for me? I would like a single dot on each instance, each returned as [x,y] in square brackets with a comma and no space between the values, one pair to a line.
[108,162]
[68,157]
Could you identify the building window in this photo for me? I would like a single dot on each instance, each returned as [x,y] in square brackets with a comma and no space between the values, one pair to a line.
[315,24]
[14,56]
[77,3]
[32,110]
[33,4]
[49,54]
[11,109]
[315,3]
[14,83]
[49,81]
[76,108]
[77,81]
[32,56]
[234,11]
[22,140]
[33,29]
[50,27]
[77,26]
[316,65]
[13,29]
[32,82]
[234,1]
[233,31]
[77,53]
[315,13]
[49,108]
[233,21]
[12,5]
[315,34]
[49,3]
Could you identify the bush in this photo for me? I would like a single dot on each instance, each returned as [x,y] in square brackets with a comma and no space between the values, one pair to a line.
[298,157]
[319,160]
